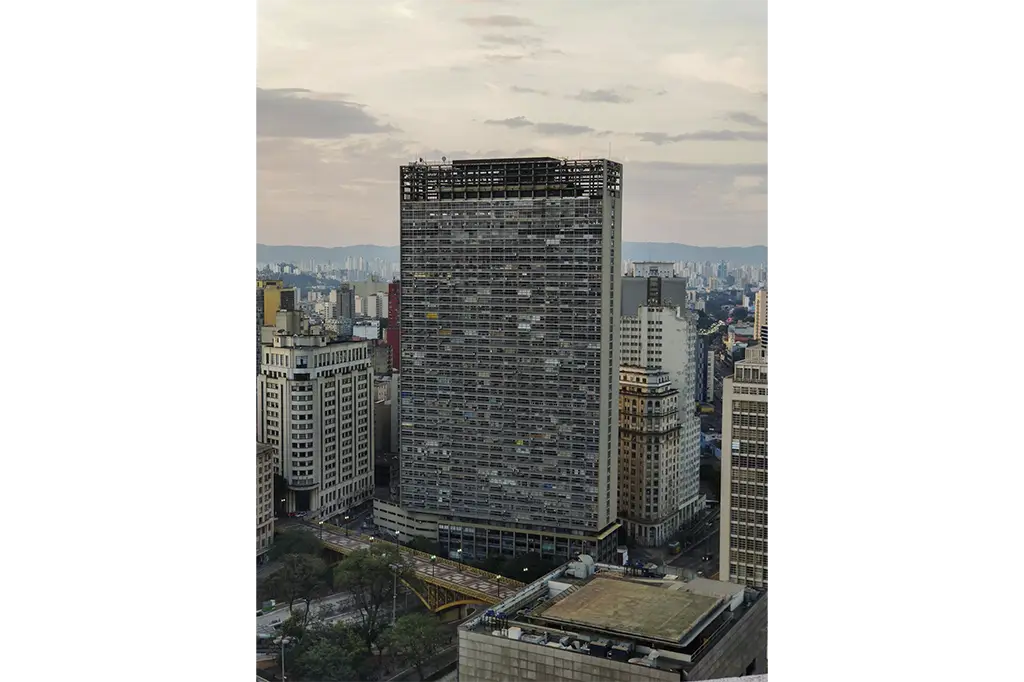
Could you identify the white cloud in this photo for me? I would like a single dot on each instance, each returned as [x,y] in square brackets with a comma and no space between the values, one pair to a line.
[427,75]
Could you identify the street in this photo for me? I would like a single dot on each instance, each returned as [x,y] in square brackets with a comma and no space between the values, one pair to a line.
[696,542]
[280,614]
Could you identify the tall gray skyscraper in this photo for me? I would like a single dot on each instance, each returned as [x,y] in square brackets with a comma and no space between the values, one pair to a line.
[347,302]
[510,353]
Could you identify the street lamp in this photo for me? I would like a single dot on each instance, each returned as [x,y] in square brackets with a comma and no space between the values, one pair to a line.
[283,641]
[433,563]
[458,553]
[321,531]
[346,524]
[394,590]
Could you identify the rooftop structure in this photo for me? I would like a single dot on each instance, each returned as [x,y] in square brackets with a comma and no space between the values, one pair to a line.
[587,621]
[633,608]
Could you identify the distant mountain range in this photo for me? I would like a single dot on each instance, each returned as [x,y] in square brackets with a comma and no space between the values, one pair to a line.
[634,251]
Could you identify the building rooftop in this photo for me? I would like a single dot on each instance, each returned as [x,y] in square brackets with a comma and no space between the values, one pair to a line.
[625,613]
[633,608]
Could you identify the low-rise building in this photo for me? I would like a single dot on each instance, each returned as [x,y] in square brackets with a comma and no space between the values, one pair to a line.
[366,328]
[393,519]
[587,622]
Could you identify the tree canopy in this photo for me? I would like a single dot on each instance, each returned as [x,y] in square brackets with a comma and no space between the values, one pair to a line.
[301,578]
[416,637]
[425,545]
[295,542]
[330,652]
[369,575]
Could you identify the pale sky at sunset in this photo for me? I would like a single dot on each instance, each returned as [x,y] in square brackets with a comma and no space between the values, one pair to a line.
[350,89]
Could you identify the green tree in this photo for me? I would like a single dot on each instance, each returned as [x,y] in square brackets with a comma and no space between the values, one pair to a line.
[425,545]
[369,575]
[295,542]
[300,578]
[416,637]
[330,652]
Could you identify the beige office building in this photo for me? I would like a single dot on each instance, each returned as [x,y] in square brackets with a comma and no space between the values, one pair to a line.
[264,499]
[315,399]
[652,504]
[664,338]
[744,516]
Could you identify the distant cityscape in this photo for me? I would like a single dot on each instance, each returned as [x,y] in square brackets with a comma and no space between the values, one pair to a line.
[525,431]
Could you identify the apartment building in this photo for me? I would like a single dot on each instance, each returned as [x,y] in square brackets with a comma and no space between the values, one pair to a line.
[315,401]
[509,352]
[744,516]
[264,500]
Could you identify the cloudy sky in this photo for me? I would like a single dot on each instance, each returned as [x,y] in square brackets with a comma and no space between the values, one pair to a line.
[349,89]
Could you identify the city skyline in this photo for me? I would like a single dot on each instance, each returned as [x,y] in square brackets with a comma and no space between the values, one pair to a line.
[684,108]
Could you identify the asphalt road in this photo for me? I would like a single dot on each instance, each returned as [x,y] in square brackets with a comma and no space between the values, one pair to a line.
[339,601]
[695,542]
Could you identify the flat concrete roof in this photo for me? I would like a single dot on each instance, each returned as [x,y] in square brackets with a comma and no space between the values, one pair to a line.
[648,611]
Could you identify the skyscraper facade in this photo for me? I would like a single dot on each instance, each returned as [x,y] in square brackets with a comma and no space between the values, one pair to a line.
[651,487]
[347,302]
[744,517]
[259,327]
[270,298]
[509,342]
[661,337]
[394,306]
[316,409]
[761,317]
[264,500]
